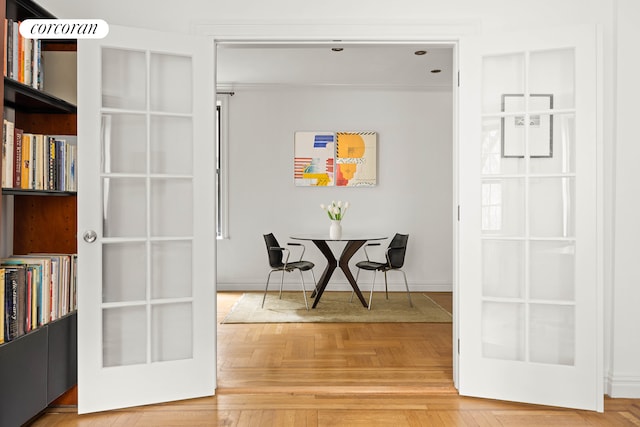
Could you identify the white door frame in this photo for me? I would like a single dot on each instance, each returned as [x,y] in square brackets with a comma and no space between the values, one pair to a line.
[366,33]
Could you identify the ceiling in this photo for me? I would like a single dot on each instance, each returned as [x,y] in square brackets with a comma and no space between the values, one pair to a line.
[316,64]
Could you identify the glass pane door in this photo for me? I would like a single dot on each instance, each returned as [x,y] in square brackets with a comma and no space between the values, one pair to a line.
[150,312]
[528,230]
[147,179]
[528,206]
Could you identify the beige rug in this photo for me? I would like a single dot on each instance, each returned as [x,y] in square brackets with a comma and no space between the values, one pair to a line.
[335,307]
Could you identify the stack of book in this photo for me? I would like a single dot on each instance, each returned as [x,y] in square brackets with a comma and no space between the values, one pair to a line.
[22,56]
[35,290]
[38,162]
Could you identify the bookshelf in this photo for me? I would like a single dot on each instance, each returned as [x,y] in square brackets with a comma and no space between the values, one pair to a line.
[40,366]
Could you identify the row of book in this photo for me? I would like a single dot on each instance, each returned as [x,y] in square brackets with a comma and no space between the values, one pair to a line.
[35,290]
[22,56]
[38,162]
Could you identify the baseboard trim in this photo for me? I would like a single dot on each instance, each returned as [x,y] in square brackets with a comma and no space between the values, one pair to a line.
[338,286]
[623,386]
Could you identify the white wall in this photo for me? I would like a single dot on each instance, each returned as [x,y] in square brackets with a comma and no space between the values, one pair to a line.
[413,195]
[624,370]
[621,93]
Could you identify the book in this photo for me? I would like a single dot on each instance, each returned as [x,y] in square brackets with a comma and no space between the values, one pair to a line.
[52,164]
[1,305]
[7,154]
[17,158]
[25,181]
[41,288]
[9,48]
[14,49]
[21,309]
[41,154]
[33,284]
[11,303]
[32,163]
[5,59]
[4,151]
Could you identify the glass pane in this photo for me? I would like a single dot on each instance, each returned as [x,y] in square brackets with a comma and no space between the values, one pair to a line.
[501,75]
[171,145]
[552,270]
[125,207]
[124,142]
[124,336]
[171,207]
[562,159]
[503,335]
[124,79]
[124,272]
[171,332]
[171,79]
[493,162]
[552,72]
[552,332]
[503,207]
[503,268]
[171,265]
[551,207]
[514,128]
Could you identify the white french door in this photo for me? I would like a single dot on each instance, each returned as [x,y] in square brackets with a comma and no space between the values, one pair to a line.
[530,309]
[146,243]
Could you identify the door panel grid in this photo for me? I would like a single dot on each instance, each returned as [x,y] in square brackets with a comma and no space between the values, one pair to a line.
[521,310]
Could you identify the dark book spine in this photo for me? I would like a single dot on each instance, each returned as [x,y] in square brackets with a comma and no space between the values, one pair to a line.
[22,299]
[10,48]
[11,304]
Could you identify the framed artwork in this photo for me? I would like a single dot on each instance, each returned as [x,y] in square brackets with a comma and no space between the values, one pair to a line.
[340,159]
[540,126]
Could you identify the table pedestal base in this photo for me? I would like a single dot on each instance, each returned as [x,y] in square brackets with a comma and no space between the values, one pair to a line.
[349,250]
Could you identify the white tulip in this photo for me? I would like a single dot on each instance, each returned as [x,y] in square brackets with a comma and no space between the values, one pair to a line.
[339,203]
[322,206]
[346,205]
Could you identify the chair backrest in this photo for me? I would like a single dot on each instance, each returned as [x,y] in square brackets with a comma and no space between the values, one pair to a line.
[275,257]
[396,257]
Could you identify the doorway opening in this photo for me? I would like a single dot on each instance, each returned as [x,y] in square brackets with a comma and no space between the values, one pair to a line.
[269,76]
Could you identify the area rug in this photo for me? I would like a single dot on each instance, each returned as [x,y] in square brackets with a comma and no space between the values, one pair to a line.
[335,307]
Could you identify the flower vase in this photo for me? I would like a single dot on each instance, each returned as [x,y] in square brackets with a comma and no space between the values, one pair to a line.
[335,230]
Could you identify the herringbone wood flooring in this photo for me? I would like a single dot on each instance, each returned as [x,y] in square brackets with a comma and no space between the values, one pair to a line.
[340,375]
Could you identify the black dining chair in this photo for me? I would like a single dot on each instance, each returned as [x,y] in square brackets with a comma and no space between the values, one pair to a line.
[394,255]
[279,261]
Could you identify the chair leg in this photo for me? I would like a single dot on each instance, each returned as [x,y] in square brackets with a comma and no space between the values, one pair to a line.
[266,287]
[353,292]
[372,285]
[315,284]
[406,285]
[304,291]
[281,283]
[386,287]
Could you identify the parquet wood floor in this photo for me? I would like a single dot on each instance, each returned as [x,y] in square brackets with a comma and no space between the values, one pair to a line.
[340,375]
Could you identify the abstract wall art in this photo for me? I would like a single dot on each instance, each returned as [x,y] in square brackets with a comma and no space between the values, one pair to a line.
[340,159]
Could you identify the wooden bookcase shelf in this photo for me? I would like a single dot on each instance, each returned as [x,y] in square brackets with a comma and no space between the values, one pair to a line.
[40,366]
[26,98]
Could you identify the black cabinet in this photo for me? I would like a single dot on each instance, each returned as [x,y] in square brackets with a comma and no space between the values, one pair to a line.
[36,368]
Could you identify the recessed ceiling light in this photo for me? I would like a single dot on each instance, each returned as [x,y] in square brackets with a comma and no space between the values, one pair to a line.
[420,52]
[436,71]
[337,49]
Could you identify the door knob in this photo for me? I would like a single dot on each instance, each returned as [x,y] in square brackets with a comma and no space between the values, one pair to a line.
[89,236]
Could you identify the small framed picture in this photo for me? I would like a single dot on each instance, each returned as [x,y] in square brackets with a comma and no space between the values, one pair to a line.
[540,126]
